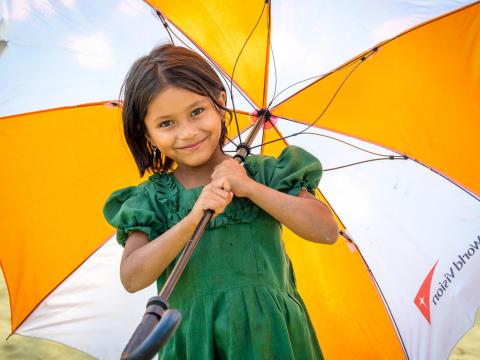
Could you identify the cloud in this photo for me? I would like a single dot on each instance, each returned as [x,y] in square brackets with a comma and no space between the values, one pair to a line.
[5,16]
[44,6]
[92,51]
[130,7]
[69,3]
[22,9]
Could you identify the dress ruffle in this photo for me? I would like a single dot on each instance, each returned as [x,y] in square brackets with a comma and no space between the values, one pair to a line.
[240,210]
[131,209]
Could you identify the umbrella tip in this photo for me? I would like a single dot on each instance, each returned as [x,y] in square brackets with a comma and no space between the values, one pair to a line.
[270,120]
[350,243]
[113,104]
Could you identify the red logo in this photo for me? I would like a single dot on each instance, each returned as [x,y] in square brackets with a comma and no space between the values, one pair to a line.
[422,300]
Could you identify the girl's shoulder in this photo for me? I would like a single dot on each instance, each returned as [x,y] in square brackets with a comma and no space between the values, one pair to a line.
[143,207]
[294,169]
[134,209]
[158,183]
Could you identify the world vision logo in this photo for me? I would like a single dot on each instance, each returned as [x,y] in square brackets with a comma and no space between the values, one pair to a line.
[423,299]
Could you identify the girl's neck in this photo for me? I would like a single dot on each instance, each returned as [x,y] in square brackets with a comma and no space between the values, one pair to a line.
[194,176]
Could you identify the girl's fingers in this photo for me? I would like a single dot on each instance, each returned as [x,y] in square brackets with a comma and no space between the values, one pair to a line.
[219,182]
[222,183]
[226,186]
[215,205]
[224,193]
[215,199]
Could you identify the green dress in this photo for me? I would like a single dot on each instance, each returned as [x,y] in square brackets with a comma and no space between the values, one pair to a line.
[237,295]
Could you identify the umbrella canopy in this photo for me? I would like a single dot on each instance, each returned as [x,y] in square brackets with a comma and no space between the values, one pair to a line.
[412,99]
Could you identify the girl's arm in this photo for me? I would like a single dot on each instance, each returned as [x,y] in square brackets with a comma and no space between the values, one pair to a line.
[306,216]
[143,261]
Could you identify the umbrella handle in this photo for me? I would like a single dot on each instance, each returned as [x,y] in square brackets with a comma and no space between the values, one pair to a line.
[156,327]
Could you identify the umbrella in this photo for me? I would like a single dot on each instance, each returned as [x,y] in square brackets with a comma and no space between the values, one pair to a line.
[401,286]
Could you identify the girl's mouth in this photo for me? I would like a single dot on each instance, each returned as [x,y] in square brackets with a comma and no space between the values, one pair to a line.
[192,146]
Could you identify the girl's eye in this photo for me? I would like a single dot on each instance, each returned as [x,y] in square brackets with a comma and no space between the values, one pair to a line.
[166,123]
[197,112]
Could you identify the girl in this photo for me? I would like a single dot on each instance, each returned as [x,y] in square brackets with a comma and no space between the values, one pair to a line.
[237,295]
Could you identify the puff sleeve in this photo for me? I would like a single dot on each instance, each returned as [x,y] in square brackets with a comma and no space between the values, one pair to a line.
[293,170]
[131,209]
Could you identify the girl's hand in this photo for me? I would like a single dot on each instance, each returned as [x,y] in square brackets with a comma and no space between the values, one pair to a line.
[212,197]
[235,175]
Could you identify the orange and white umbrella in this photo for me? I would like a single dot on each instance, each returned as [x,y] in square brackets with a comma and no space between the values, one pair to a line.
[395,127]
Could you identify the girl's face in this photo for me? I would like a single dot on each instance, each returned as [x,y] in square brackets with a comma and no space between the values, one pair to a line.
[184,126]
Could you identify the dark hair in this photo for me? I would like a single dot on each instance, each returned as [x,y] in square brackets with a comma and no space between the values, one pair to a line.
[166,65]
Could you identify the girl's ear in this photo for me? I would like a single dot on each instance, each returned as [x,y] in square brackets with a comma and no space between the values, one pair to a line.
[150,142]
[222,98]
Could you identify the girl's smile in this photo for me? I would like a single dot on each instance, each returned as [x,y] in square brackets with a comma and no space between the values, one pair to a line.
[185,127]
[193,146]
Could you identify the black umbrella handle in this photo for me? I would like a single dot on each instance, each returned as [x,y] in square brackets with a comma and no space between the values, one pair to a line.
[152,333]
[159,322]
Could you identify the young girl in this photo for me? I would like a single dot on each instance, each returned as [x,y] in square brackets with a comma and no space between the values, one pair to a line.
[237,295]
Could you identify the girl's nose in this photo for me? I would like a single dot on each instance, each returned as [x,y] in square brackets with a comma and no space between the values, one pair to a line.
[188,131]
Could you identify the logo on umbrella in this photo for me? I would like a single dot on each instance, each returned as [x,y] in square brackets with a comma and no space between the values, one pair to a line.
[422,300]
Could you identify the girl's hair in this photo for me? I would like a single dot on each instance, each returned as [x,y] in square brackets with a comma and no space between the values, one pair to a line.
[166,65]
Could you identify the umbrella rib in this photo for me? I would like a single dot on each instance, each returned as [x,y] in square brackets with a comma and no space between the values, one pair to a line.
[365,161]
[377,285]
[318,77]
[267,57]
[243,132]
[336,139]
[274,64]
[349,144]
[335,94]
[450,180]
[226,133]
[235,66]
[165,25]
